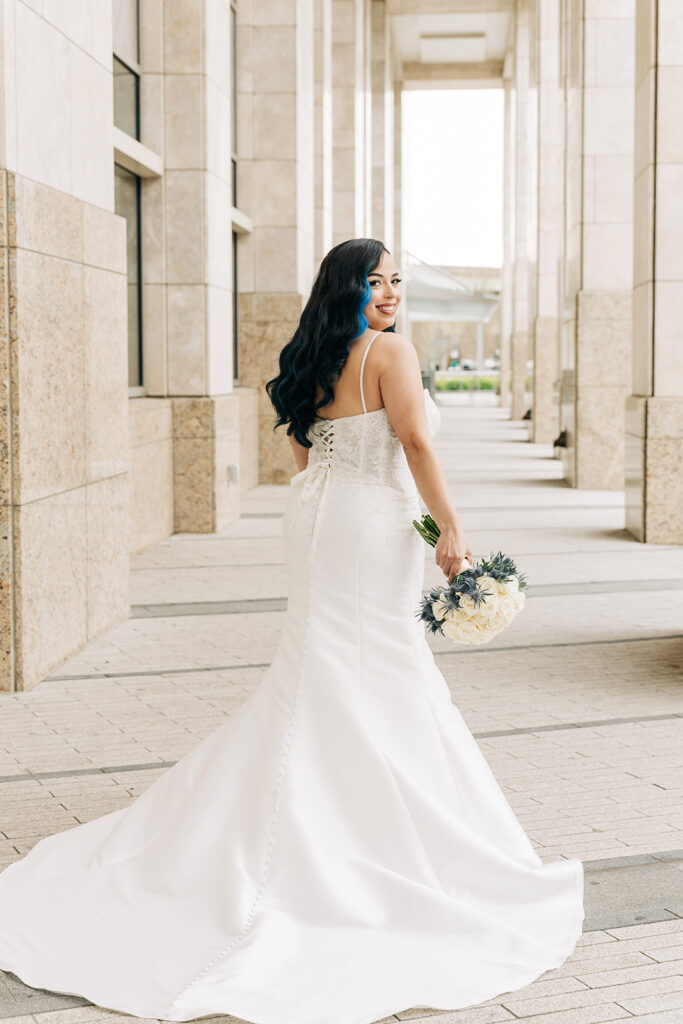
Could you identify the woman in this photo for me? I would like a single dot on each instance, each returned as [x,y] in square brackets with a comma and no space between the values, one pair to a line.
[339,850]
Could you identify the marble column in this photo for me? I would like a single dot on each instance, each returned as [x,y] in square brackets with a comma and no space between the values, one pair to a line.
[197,269]
[397,232]
[350,119]
[507,276]
[549,195]
[524,236]
[596,298]
[654,410]
[382,120]
[322,71]
[277,175]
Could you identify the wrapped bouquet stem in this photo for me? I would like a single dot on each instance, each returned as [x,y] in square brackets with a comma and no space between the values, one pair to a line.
[481,601]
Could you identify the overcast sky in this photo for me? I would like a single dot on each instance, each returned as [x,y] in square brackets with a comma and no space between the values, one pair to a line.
[453,189]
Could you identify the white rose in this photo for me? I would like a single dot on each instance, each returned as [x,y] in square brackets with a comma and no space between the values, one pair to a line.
[510,586]
[452,625]
[505,614]
[518,600]
[466,631]
[439,608]
[488,583]
[488,607]
[509,614]
[466,606]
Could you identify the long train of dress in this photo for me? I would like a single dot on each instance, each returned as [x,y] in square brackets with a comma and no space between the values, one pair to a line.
[339,849]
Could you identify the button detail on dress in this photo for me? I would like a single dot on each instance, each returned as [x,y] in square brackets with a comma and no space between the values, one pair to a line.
[315,481]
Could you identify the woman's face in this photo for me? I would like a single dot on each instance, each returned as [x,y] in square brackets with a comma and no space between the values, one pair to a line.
[385,285]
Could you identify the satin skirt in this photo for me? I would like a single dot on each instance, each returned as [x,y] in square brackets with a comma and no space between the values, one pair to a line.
[337,851]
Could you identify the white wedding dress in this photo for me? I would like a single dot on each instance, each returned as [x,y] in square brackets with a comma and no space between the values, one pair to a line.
[337,851]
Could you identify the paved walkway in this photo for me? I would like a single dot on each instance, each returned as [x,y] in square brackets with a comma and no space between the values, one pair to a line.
[577,707]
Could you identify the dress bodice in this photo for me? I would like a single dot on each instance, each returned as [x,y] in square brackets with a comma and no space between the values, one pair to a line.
[359,449]
[365,447]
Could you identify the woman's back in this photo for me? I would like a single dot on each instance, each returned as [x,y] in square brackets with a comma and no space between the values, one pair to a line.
[351,387]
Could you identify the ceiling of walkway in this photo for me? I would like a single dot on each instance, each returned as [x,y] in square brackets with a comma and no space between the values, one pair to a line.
[451,43]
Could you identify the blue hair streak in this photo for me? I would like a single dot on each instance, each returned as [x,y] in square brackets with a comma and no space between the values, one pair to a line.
[367,295]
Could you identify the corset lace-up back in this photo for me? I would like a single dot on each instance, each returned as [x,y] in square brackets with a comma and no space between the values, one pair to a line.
[365,447]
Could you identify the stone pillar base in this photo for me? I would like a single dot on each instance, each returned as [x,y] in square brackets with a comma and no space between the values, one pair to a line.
[211,435]
[603,380]
[593,392]
[518,397]
[654,469]
[543,422]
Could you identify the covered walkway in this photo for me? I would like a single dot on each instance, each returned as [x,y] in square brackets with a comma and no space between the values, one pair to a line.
[577,708]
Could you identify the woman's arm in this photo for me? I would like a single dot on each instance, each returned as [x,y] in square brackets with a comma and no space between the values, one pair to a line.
[400,383]
[300,453]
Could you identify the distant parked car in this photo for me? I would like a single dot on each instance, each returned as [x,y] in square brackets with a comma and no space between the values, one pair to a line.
[468,364]
[492,363]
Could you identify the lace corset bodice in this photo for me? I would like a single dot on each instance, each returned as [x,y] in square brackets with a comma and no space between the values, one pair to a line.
[361,449]
[365,448]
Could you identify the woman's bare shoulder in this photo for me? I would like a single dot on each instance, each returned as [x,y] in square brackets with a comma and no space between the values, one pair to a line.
[396,348]
[389,343]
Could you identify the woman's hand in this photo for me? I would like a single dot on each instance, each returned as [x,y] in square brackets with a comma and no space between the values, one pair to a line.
[452,548]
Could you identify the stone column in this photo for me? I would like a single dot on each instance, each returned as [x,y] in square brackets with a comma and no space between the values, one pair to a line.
[197,201]
[64,478]
[322,57]
[398,173]
[277,175]
[549,200]
[382,136]
[507,276]
[350,131]
[398,252]
[654,411]
[523,236]
[598,273]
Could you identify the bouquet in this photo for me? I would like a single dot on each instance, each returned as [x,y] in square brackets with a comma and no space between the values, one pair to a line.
[480,601]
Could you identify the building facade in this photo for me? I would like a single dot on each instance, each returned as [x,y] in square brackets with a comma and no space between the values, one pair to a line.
[171,174]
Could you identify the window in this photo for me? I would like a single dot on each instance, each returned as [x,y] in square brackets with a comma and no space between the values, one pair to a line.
[127,204]
[126,99]
[235,310]
[233,126]
[126,40]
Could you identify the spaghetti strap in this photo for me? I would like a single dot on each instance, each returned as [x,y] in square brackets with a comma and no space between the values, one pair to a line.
[367,347]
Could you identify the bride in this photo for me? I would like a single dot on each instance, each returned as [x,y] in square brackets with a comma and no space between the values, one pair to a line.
[339,850]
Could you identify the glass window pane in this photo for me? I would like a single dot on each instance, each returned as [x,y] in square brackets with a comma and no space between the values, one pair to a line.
[233,59]
[235,310]
[127,204]
[125,21]
[126,99]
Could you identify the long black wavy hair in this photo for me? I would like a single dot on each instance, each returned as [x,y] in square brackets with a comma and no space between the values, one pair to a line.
[318,349]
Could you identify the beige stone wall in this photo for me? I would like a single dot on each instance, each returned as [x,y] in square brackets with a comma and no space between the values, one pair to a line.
[88,473]
[63,426]
[63,419]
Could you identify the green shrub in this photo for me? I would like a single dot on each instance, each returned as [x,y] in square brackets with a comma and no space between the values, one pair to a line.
[473,383]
